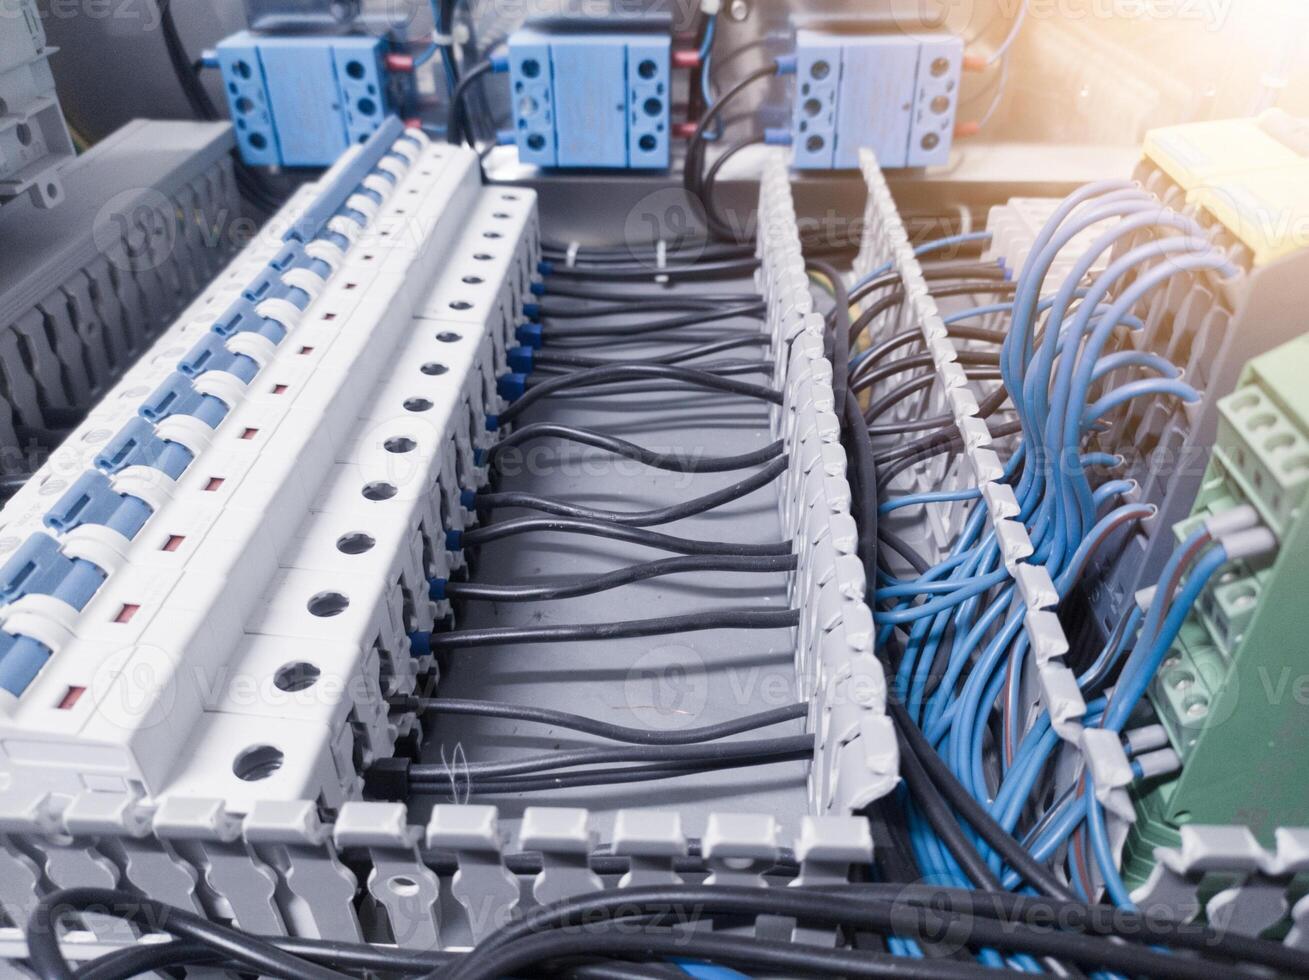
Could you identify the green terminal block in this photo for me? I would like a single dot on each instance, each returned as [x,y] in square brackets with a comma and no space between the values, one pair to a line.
[1233,692]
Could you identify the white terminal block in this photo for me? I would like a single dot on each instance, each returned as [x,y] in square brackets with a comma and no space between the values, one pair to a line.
[856,759]
[244,640]
[1014,226]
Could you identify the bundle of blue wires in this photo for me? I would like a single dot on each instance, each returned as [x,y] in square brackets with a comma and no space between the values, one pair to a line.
[1068,377]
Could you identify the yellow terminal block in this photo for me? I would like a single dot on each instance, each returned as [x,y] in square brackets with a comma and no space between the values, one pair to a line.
[1267,211]
[1197,154]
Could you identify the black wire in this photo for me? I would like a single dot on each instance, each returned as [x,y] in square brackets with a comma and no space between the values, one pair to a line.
[730,367]
[872,377]
[628,372]
[694,249]
[140,959]
[646,305]
[944,269]
[622,970]
[943,821]
[456,786]
[965,918]
[252,186]
[717,223]
[594,726]
[551,334]
[894,299]
[693,159]
[598,755]
[716,619]
[839,332]
[605,863]
[555,356]
[644,270]
[48,962]
[996,837]
[925,447]
[784,959]
[676,462]
[590,585]
[864,471]
[606,296]
[619,532]
[456,129]
[910,388]
[902,548]
[1001,920]
[645,518]
[913,335]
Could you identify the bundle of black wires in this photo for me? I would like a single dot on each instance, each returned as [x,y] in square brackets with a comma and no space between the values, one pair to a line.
[254,188]
[637,932]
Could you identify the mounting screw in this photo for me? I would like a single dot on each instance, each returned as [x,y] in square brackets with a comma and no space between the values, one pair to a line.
[738,10]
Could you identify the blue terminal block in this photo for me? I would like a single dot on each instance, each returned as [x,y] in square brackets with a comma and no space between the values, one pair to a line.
[591,99]
[893,93]
[300,101]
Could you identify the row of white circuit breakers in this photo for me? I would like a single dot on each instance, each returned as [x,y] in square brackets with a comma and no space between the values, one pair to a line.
[215,584]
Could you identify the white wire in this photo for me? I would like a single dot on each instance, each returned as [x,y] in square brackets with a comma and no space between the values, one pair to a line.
[999,95]
[1007,43]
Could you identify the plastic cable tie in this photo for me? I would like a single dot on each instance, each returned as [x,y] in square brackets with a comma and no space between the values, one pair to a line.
[570,257]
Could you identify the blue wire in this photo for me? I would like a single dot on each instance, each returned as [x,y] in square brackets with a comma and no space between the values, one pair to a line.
[706,87]
[926,248]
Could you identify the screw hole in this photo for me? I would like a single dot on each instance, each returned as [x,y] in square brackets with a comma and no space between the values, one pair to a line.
[326,604]
[379,490]
[417,404]
[403,885]
[257,762]
[297,676]
[434,368]
[354,543]
[399,444]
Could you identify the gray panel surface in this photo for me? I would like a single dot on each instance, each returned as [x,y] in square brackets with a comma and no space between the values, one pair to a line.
[667,682]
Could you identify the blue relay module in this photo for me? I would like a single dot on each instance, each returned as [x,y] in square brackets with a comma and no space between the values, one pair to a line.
[893,93]
[300,101]
[591,99]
